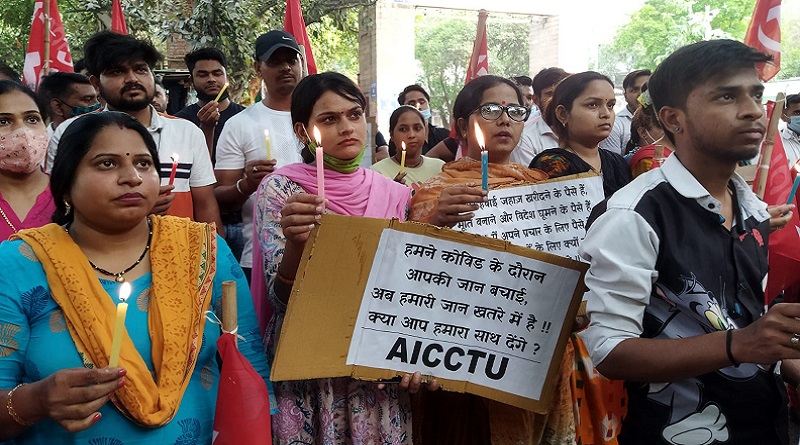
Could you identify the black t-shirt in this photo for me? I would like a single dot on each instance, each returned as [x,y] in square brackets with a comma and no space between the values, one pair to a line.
[190,114]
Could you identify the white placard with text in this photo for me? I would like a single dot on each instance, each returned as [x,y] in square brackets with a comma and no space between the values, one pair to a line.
[461,312]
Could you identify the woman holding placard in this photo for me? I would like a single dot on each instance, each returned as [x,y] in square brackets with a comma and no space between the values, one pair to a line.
[58,304]
[330,108]
[408,132]
[581,114]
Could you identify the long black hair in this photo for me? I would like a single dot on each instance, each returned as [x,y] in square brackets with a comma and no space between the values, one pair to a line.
[75,143]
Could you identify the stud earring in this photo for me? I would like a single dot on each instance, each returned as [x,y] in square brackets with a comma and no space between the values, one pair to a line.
[677,129]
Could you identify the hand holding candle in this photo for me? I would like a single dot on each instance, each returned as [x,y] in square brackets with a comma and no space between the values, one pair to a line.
[224,87]
[320,166]
[484,157]
[267,142]
[119,324]
[403,157]
[174,168]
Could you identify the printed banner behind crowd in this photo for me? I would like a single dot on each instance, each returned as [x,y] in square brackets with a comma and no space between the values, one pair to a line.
[550,217]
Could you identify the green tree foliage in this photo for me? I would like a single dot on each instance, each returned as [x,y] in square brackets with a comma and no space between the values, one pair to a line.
[231,25]
[662,26]
[444,45]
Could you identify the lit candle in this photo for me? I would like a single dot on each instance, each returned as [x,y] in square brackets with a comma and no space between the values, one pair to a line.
[320,167]
[403,157]
[174,168]
[224,87]
[484,158]
[796,169]
[119,323]
[266,141]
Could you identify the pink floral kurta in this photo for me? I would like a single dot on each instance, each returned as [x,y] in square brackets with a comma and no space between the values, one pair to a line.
[335,411]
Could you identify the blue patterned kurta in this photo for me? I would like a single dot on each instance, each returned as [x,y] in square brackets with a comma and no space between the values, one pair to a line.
[35,343]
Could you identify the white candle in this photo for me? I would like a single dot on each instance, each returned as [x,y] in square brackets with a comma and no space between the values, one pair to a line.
[119,324]
[266,141]
[320,166]
[403,157]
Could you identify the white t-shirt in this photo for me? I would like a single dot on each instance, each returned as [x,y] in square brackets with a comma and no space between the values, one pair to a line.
[242,141]
[172,136]
[536,138]
[791,145]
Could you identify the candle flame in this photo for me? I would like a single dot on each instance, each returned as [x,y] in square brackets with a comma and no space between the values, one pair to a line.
[479,137]
[796,167]
[175,157]
[317,135]
[403,144]
[266,133]
[124,291]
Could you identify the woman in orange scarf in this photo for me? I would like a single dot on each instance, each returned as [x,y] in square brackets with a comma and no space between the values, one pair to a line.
[58,295]
[442,418]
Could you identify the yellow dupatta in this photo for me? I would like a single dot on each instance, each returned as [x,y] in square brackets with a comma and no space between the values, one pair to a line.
[183,265]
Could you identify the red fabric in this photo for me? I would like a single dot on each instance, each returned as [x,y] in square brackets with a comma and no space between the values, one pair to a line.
[242,415]
[118,18]
[60,57]
[478,64]
[294,24]
[784,244]
[764,34]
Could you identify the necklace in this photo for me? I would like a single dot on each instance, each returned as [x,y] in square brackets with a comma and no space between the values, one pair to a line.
[8,221]
[118,276]
[599,171]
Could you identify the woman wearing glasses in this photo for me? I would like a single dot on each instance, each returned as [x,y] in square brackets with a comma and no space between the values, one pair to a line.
[581,113]
[495,105]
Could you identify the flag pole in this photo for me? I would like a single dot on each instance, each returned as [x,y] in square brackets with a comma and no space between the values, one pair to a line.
[230,317]
[46,67]
[769,142]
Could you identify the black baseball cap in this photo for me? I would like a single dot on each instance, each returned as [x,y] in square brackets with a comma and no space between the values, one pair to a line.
[268,43]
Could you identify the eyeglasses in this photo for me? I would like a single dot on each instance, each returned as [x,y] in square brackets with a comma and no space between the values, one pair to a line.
[492,112]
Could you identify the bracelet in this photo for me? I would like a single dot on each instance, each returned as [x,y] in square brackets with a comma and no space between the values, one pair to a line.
[728,341]
[239,188]
[283,279]
[10,407]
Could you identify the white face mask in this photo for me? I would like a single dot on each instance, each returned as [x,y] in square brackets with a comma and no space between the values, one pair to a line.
[23,150]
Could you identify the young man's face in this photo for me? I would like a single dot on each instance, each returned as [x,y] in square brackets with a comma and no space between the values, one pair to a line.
[208,77]
[789,111]
[547,94]
[417,99]
[128,87]
[633,91]
[724,117]
[281,72]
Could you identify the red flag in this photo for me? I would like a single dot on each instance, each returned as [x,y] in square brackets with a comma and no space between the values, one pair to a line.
[764,34]
[478,64]
[242,414]
[294,24]
[479,60]
[58,55]
[784,244]
[118,18]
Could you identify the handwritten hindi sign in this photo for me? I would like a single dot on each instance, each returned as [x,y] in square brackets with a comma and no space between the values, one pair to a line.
[461,312]
[550,217]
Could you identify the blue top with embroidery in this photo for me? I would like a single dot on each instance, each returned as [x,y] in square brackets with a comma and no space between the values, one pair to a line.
[35,343]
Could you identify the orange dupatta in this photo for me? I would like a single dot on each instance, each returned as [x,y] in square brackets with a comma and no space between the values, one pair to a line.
[183,265]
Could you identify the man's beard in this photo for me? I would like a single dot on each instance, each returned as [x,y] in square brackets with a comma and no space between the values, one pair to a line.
[727,154]
[203,97]
[121,104]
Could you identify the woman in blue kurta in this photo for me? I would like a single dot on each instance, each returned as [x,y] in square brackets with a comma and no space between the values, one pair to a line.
[58,300]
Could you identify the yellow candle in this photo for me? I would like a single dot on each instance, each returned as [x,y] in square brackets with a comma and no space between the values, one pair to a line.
[119,324]
[403,157]
[266,140]
[224,87]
